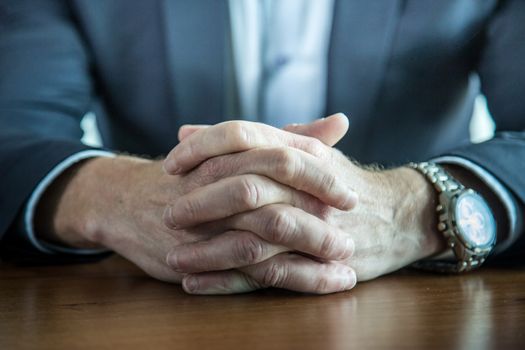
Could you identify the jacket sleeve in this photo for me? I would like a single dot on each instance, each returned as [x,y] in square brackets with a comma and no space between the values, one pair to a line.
[501,68]
[45,89]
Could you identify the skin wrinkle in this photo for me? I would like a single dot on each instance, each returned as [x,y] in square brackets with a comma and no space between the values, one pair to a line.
[250,251]
[399,237]
[143,240]
[251,193]
[383,214]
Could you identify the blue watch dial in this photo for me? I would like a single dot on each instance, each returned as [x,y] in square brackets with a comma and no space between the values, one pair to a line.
[474,220]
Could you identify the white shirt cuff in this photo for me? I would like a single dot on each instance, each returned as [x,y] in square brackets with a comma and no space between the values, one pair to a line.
[29,213]
[507,199]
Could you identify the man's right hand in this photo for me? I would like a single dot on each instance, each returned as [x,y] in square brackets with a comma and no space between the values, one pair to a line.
[117,204]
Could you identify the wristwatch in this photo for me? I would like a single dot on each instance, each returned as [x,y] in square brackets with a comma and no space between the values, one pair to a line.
[464,219]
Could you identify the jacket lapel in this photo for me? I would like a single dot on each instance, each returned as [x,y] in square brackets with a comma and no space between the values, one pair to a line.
[197,51]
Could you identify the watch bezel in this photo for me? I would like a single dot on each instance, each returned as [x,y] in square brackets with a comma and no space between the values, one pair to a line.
[459,234]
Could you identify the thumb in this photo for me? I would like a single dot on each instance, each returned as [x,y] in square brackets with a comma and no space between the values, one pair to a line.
[328,130]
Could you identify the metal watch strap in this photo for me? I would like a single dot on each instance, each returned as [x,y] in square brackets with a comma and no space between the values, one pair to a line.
[440,179]
[444,182]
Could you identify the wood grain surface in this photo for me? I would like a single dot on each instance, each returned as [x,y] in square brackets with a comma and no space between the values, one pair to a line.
[113,305]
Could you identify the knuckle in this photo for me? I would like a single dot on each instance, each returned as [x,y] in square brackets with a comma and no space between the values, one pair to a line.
[275,276]
[238,134]
[318,208]
[285,164]
[280,227]
[249,250]
[248,192]
[315,147]
[192,150]
[93,231]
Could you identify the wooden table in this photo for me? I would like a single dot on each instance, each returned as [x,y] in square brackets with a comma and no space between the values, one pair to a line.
[113,305]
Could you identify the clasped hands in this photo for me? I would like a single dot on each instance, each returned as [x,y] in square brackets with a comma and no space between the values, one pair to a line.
[240,206]
[284,209]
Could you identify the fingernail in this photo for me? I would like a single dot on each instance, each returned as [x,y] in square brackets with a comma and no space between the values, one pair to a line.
[167,217]
[351,199]
[173,261]
[349,247]
[349,278]
[171,166]
[191,284]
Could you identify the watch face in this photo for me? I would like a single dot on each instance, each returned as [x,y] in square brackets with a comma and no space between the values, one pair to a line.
[474,220]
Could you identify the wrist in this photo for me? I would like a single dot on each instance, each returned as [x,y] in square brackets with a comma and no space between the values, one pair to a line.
[465,220]
[415,202]
[401,205]
[75,209]
[61,216]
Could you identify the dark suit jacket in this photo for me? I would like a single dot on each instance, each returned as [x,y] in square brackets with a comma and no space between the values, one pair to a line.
[406,71]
